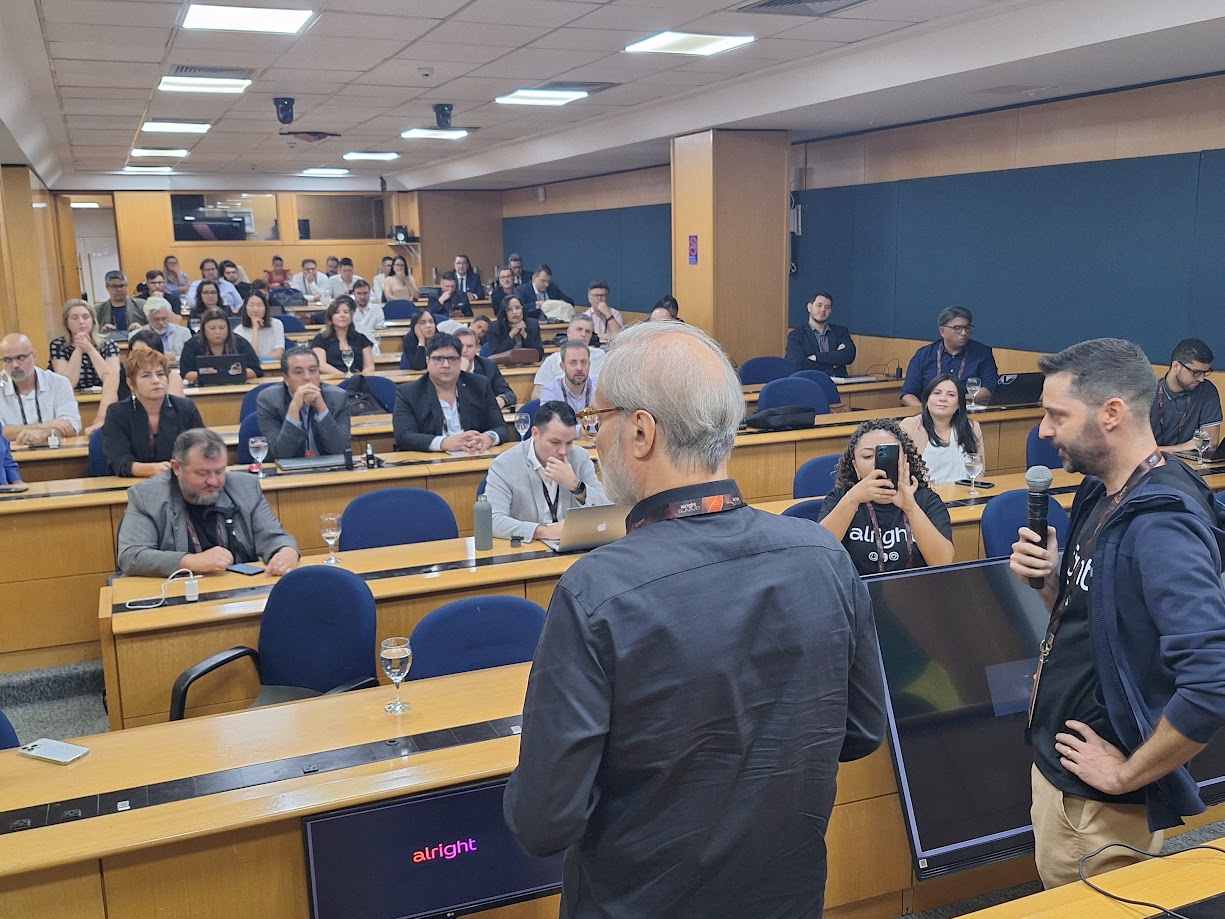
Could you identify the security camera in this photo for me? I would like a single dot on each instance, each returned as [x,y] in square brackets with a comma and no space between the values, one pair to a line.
[425,72]
[442,114]
[284,109]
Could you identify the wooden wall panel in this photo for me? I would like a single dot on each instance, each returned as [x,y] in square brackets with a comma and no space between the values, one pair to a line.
[459,221]
[29,273]
[693,214]
[623,189]
[976,144]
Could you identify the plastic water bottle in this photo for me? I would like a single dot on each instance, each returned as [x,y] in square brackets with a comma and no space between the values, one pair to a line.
[53,440]
[482,523]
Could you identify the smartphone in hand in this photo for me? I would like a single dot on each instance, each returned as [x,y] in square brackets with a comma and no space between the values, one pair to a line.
[887,457]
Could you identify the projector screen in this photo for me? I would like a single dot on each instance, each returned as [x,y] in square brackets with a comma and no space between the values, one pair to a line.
[959,645]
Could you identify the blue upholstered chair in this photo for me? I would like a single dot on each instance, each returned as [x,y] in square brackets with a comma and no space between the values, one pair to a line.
[530,407]
[815,478]
[250,398]
[808,510]
[822,379]
[1008,512]
[316,637]
[291,323]
[396,517]
[384,388]
[8,736]
[1039,452]
[793,391]
[247,428]
[757,370]
[475,633]
[97,459]
[399,310]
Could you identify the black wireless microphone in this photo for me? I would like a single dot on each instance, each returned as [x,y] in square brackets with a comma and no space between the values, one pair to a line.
[1038,479]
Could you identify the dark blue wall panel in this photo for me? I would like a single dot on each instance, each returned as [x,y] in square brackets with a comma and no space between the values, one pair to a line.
[630,248]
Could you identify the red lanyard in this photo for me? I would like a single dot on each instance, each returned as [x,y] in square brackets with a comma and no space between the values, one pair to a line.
[880,539]
[692,507]
[1085,550]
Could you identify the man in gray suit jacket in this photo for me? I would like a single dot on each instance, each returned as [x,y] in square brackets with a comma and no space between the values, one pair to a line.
[304,416]
[531,486]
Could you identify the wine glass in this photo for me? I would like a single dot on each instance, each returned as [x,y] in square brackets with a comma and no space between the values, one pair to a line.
[346,356]
[523,424]
[396,656]
[974,468]
[973,386]
[1203,443]
[329,529]
[194,325]
[259,450]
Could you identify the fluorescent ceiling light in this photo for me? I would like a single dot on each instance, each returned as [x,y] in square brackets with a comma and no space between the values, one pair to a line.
[324,172]
[145,151]
[244,19]
[202,85]
[83,205]
[158,169]
[542,97]
[688,43]
[433,134]
[175,127]
[371,156]
[38,204]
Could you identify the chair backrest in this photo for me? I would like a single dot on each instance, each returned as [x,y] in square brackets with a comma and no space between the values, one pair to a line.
[8,736]
[758,370]
[318,630]
[480,489]
[815,478]
[247,428]
[399,309]
[97,459]
[809,510]
[1039,452]
[1008,512]
[291,323]
[396,517]
[793,391]
[822,379]
[384,388]
[250,398]
[475,633]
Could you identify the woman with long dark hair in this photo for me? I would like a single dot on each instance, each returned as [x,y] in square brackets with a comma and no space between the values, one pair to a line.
[944,433]
[264,333]
[215,338]
[424,328]
[512,329]
[338,336]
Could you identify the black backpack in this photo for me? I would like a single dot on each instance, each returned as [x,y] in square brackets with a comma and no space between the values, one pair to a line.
[363,400]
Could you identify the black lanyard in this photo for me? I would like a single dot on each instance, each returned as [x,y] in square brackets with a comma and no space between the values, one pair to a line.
[1162,396]
[21,403]
[553,501]
[961,369]
[1086,549]
[693,507]
[880,539]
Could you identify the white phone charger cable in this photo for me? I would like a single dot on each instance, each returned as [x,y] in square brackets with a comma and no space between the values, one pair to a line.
[191,590]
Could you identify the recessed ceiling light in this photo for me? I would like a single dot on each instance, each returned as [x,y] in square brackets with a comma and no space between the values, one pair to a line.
[433,134]
[146,151]
[84,205]
[175,127]
[325,172]
[371,156]
[148,169]
[202,85]
[688,43]
[542,97]
[244,19]
[39,204]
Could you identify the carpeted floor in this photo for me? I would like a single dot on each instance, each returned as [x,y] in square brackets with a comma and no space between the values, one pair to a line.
[57,702]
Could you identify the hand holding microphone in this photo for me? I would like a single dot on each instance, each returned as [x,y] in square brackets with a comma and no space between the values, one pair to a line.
[1035,551]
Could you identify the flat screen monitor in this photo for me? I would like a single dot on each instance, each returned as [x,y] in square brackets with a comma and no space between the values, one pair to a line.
[445,853]
[959,645]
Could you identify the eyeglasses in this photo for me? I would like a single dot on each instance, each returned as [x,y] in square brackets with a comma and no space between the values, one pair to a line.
[959,329]
[1198,374]
[444,359]
[16,358]
[590,416]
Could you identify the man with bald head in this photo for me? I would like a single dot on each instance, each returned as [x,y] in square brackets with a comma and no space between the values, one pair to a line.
[33,402]
[698,681]
[580,330]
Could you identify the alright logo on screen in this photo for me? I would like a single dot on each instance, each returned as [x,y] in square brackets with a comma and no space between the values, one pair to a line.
[446,851]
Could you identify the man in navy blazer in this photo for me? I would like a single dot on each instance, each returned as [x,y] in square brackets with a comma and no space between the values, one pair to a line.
[537,290]
[818,344]
[447,409]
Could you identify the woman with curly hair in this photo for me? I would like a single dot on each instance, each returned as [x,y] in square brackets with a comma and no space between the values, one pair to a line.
[882,527]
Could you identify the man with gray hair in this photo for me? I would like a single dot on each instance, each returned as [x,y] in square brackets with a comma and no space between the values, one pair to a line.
[576,385]
[193,516]
[159,313]
[697,682]
[119,312]
[955,353]
[1130,683]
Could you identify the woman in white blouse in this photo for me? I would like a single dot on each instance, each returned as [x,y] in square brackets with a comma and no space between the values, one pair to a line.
[943,432]
[265,333]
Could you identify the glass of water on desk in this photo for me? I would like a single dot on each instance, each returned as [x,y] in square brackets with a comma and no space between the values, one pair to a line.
[973,387]
[329,529]
[974,468]
[259,452]
[523,424]
[1203,443]
[396,656]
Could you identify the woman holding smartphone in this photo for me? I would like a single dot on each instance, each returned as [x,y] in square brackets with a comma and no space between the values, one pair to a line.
[886,527]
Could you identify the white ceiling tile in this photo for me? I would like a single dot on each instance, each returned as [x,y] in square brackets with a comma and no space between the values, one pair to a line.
[320,52]
[426,51]
[361,92]
[106,73]
[536,66]
[103,123]
[727,67]
[632,94]
[102,107]
[185,107]
[676,78]
[472,89]
[100,34]
[544,13]
[81,51]
[262,102]
[105,92]
[650,18]
[782,49]
[838,29]
[111,12]
[309,75]
[361,25]
[483,33]
[107,138]
[692,7]
[219,57]
[263,47]
[589,39]
[404,73]
[913,10]
[759,25]
[408,9]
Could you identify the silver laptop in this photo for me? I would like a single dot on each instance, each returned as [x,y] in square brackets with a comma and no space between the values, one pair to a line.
[586,528]
[306,463]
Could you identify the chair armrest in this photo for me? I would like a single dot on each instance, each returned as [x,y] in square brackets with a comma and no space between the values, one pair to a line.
[178,695]
[362,682]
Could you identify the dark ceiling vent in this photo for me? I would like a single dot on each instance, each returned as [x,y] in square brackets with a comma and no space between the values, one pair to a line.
[204,70]
[807,8]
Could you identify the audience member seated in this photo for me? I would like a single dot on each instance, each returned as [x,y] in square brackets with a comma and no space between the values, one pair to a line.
[606,320]
[539,289]
[668,302]
[467,278]
[472,362]
[316,288]
[575,387]
[119,311]
[882,527]
[943,433]
[514,330]
[231,300]
[423,327]
[380,279]
[115,387]
[10,473]
[533,484]
[818,344]
[34,403]
[215,338]
[139,433]
[160,315]
[368,317]
[264,333]
[278,276]
[450,302]
[514,262]
[447,409]
[954,353]
[176,280]
[208,297]
[399,285]
[338,336]
[83,355]
[503,289]
[1185,400]
[303,416]
[342,283]
[155,286]
[333,266]
[232,273]
[580,330]
[193,516]
[480,325]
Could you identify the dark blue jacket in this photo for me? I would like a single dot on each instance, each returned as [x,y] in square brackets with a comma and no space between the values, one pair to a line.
[1157,615]
[802,341]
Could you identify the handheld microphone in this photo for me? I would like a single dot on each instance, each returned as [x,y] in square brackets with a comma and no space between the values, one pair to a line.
[1038,480]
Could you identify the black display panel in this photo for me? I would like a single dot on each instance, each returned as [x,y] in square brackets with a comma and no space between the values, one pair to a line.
[446,853]
[959,645]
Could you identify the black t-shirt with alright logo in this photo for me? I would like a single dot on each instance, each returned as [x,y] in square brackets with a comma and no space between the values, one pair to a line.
[899,549]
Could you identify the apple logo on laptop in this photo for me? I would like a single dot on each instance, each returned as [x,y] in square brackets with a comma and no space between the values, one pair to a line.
[602,527]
